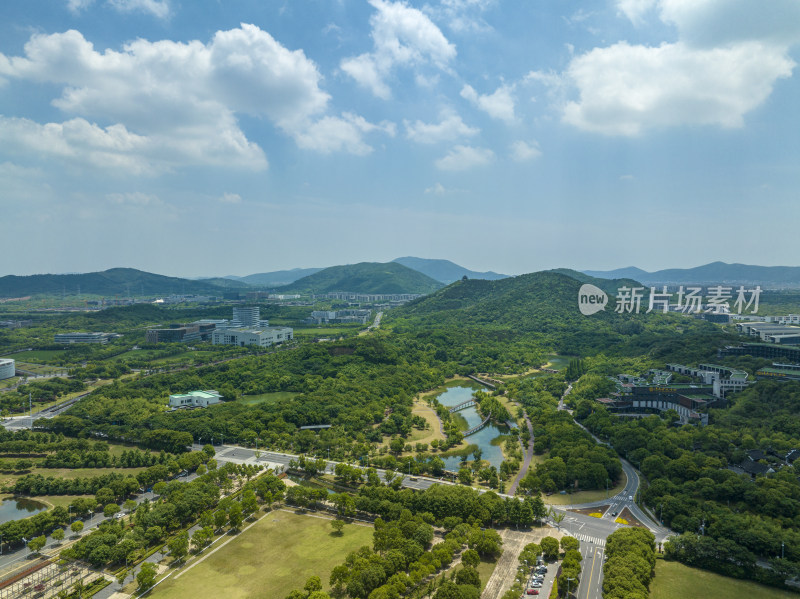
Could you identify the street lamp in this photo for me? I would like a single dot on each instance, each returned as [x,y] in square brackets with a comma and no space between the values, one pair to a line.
[568,585]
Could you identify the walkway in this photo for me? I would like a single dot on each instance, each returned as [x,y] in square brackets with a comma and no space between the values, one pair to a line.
[526,463]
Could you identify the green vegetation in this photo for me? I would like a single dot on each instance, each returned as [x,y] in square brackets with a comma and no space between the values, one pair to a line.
[365,277]
[629,568]
[273,554]
[676,581]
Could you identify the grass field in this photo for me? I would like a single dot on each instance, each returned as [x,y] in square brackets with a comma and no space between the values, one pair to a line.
[269,398]
[275,556]
[7,478]
[676,581]
[40,355]
[584,496]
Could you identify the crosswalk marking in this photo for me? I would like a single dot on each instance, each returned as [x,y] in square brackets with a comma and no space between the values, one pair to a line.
[588,539]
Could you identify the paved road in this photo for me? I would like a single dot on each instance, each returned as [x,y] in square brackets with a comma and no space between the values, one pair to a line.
[512,490]
[20,422]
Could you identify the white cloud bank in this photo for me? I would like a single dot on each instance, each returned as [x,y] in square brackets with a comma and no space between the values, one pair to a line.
[449,128]
[726,61]
[402,36]
[462,158]
[157,8]
[498,105]
[170,104]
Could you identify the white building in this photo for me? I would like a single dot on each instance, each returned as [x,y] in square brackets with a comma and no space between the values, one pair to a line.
[194,399]
[83,337]
[246,316]
[262,336]
[7,368]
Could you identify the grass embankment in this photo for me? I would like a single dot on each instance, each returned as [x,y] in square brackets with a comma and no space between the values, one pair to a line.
[673,580]
[275,556]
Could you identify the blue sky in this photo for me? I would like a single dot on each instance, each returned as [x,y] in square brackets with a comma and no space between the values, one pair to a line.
[211,138]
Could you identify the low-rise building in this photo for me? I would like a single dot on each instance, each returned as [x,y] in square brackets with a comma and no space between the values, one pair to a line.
[339,316]
[194,399]
[181,333]
[262,336]
[7,368]
[69,338]
[15,324]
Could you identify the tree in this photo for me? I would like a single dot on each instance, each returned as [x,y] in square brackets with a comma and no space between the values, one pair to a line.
[470,558]
[549,547]
[76,527]
[179,546]
[146,576]
[58,534]
[130,505]
[469,576]
[568,543]
[235,517]
[37,543]
[249,502]
[337,526]
[110,509]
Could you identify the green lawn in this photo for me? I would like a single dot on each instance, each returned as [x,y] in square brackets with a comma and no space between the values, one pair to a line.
[584,496]
[485,569]
[275,556]
[38,354]
[676,581]
[270,398]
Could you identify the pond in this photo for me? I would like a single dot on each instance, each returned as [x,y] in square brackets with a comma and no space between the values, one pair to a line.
[15,508]
[483,438]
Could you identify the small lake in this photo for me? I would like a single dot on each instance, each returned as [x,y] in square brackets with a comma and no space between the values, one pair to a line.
[17,508]
[491,453]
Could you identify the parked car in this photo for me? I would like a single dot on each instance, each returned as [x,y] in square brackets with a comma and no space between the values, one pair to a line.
[533,591]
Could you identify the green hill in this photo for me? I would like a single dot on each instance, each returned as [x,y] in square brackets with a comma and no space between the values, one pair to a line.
[365,277]
[610,286]
[445,270]
[115,281]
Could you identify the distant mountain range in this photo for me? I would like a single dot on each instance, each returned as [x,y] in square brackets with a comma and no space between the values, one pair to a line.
[711,274]
[276,278]
[365,277]
[445,271]
[115,281]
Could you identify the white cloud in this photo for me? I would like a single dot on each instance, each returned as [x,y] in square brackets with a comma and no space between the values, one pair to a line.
[331,134]
[463,16]
[522,151]
[499,105]
[449,128]
[625,89]
[626,178]
[134,199]
[635,10]
[725,63]
[402,36]
[461,158]
[157,8]
[437,189]
[177,101]
[230,198]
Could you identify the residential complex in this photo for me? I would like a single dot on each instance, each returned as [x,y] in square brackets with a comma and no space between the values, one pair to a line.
[194,399]
[7,368]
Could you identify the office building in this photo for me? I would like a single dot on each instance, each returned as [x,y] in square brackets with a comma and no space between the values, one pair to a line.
[242,336]
[194,399]
[248,316]
[181,333]
[7,368]
[69,338]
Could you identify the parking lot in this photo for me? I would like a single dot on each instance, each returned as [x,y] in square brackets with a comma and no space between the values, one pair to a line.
[541,578]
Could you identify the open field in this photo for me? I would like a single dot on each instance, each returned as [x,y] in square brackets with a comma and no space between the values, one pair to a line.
[675,581]
[275,556]
[37,355]
[585,496]
[8,478]
[432,432]
[268,398]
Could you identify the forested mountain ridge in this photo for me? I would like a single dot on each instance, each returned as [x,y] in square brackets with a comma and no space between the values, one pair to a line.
[365,277]
[445,271]
[542,308]
[715,273]
[114,281]
[610,286]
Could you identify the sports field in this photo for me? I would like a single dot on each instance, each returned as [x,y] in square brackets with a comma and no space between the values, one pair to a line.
[676,581]
[270,559]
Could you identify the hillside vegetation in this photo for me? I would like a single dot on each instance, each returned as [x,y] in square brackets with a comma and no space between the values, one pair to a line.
[365,277]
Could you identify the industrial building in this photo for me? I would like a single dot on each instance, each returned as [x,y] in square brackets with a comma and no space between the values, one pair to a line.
[771,332]
[194,399]
[262,336]
[339,316]
[69,338]
[7,368]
